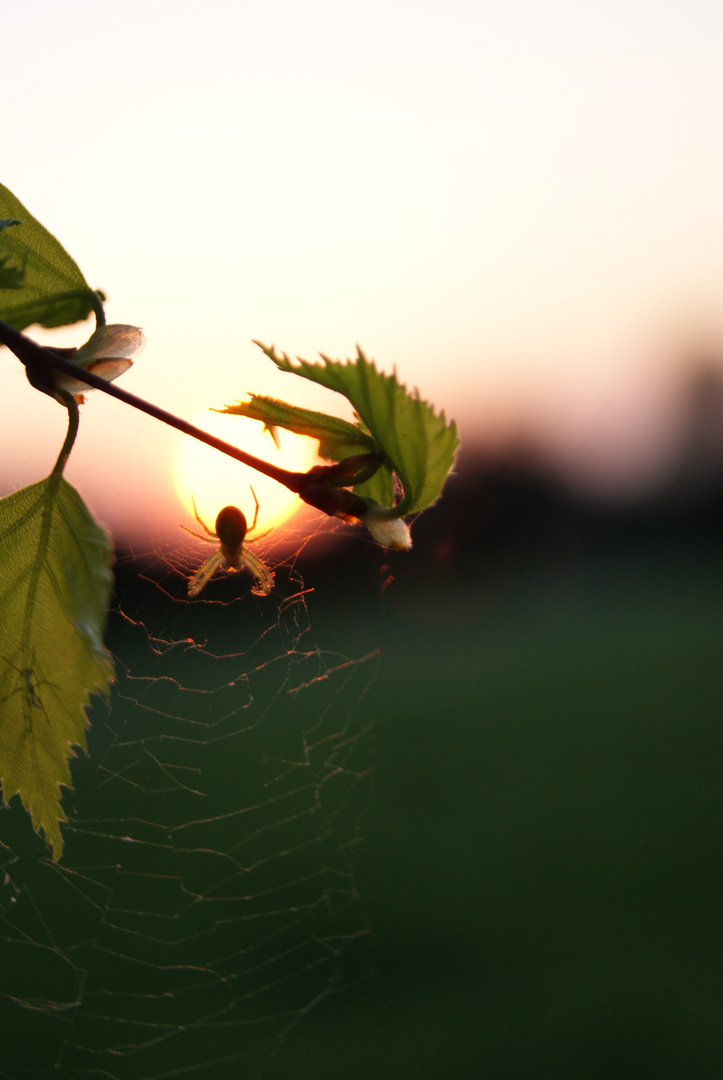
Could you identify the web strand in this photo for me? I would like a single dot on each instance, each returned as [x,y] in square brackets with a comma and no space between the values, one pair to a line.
[206,898]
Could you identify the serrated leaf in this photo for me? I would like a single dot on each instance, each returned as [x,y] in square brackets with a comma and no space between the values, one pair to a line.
[54,292]
[337,438]
[418,443]
[55,583]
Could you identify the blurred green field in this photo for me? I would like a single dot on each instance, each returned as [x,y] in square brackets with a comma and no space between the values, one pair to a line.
[542,864]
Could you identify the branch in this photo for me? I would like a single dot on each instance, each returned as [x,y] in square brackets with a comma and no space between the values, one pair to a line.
[319,487]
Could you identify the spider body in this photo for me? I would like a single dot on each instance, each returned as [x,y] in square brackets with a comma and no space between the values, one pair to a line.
[28,685]
[231,529]
[231,554]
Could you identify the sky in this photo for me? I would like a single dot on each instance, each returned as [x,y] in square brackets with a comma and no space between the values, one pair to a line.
[515,206]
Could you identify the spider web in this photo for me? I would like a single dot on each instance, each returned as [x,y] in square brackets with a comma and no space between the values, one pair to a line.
[206,900]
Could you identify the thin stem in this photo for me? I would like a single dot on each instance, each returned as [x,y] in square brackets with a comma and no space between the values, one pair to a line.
[319,487]
[98,309]
[38,358]
[73,421]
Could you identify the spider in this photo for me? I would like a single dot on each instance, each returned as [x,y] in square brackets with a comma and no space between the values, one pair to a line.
[27,685]
[231,531]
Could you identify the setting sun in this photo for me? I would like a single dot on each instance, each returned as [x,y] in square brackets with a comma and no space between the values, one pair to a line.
[214,480]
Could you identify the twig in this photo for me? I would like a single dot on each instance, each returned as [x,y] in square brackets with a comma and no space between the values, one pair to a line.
[319,486]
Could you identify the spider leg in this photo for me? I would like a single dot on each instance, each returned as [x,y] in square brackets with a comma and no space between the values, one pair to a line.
[205,572]
[199,536]
[27,685]
[253,539]
[253,524]
[256,512]
[264,576]
[202,523]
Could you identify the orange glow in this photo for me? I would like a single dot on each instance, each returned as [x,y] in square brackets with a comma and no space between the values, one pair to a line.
[215,481]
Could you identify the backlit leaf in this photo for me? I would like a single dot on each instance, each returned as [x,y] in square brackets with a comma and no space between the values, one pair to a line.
[54,292]
[55,582]
[11,277]
[338,439]
[418,444]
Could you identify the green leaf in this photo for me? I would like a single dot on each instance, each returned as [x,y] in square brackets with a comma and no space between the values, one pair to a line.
[11,277]
[55,583]
[418,443]
[54,292]
[338,439]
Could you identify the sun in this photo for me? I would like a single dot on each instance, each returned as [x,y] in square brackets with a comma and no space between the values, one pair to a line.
[215,480]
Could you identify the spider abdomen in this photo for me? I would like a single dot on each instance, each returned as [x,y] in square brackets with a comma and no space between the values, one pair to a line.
[231,529]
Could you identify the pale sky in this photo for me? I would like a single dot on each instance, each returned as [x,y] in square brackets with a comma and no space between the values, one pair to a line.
[516,205]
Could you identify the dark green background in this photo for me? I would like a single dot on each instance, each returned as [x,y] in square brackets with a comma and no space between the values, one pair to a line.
[542,866]
[540,863]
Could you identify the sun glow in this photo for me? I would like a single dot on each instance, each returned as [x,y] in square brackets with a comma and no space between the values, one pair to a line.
[214,480]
